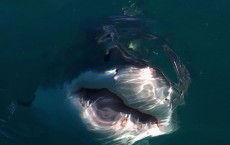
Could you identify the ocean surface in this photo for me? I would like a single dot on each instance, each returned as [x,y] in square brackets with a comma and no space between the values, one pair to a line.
[47,42]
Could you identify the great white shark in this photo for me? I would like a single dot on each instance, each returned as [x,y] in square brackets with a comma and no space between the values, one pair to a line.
[125,100]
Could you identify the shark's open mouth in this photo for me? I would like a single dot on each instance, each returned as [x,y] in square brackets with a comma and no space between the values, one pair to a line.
[108,109]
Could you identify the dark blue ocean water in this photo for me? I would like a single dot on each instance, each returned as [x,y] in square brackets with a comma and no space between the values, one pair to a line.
[47,42]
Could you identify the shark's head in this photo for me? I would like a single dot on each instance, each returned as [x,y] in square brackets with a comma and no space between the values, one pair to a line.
[132,101]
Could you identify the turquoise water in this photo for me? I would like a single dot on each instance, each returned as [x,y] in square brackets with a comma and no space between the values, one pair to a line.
[46,42]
